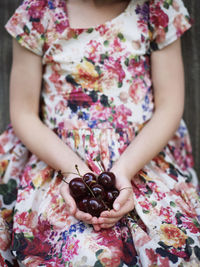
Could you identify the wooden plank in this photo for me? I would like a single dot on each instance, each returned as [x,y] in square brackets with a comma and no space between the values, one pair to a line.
[191,55]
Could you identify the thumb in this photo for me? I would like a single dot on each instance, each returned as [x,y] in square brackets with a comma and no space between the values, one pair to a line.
[121,199]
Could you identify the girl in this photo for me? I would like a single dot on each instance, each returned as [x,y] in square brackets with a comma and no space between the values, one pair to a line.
[98,80]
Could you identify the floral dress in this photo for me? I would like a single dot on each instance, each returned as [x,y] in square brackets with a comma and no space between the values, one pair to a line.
[97,95]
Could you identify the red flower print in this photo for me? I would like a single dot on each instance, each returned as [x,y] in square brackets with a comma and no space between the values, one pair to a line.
[2,263]
[37,247]
[152,255]
[38,27]
[79,98]
[189,224]
[145,205]
[167,213]
[115,67]
[159,18]
[61,26]
[1,149]
[36,9]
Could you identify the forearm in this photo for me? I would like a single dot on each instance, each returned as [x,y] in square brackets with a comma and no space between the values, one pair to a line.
[45,144]
[148,143]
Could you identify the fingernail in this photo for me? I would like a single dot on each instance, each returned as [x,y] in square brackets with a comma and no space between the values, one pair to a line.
[116,206]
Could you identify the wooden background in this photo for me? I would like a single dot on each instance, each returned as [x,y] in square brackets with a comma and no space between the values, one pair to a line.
[191,55]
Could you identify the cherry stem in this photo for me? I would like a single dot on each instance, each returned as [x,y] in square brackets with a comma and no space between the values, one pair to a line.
[76,166]
[65,181]
[100,166]
[105,205]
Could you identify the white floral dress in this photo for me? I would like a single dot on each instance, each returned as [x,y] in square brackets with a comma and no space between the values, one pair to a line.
[97,95]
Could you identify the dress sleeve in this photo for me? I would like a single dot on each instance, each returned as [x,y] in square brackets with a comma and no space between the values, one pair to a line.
[28,25]
[168,20]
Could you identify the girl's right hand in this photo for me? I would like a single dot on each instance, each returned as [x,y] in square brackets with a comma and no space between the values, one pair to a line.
[71,204]
[72,207]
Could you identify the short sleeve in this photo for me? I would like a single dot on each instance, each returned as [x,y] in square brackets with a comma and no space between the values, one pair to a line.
[28,25]
[168,20]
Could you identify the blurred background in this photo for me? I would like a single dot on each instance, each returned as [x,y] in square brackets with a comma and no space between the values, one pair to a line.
[191,56]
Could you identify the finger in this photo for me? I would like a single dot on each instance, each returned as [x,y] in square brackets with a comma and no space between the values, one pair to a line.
[122,199]
[109,220]
[126,208]
[106,226]
[97,227]
[70,202]
[82,216]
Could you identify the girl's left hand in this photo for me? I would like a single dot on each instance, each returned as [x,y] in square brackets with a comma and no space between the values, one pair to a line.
[123,204]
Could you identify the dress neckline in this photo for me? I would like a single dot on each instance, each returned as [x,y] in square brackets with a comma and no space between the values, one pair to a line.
[100,24]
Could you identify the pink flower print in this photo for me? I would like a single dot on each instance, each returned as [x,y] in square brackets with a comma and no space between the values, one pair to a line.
[55,78]
[121,116]
[61,22]
[93,50]
[167,213]
[117,45]
[141,238]
[179,25]
[159,195]
[26,178]
[161,36]
[137,90]
[70,249]
[28,219]
[100,112]
[115,66]
[102,29]
[136,67]
[186,207]
[175,5]
[60,107]
[145,205]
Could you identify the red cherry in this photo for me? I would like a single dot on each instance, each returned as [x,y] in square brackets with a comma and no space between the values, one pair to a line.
[107,179]
[90,178]
[98,191]
[95,207]
[110,196]
[83,204]
[78,189]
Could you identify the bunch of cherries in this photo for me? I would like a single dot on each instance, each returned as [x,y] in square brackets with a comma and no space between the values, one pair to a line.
[93,194]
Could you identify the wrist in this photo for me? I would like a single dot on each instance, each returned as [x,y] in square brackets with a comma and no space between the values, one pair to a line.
[122,172]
